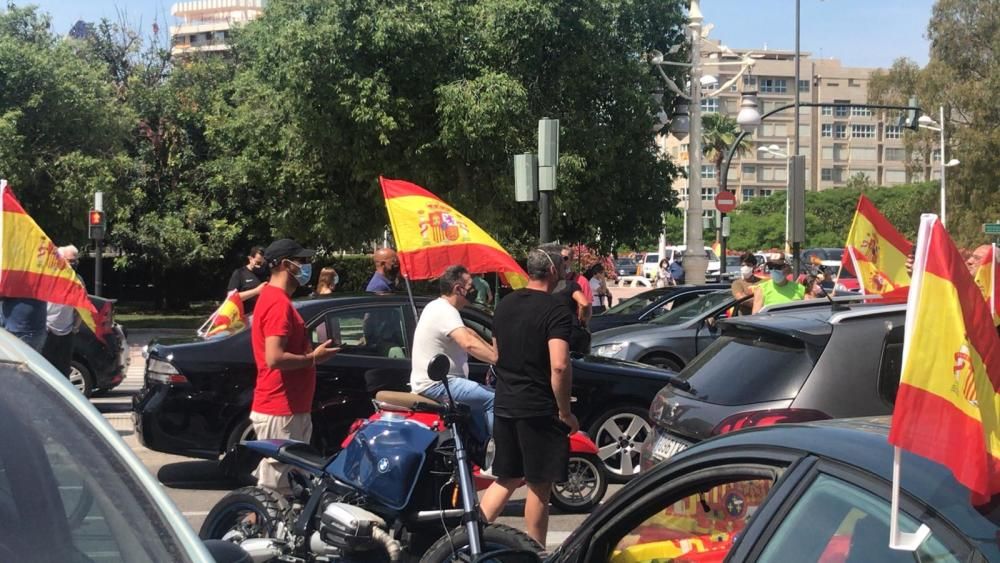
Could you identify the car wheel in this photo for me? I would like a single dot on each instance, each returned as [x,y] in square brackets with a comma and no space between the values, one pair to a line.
[246,462]
[619,435]
[664,362]
[81,378]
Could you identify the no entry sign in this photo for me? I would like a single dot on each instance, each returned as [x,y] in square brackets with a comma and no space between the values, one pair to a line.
[725,201]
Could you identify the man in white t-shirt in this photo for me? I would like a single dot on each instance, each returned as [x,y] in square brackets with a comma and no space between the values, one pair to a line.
[440,330]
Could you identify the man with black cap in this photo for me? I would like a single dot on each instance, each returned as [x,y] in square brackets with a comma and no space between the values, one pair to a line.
[286,361]
[778,288]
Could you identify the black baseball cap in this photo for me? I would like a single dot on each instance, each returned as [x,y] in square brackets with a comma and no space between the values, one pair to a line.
[286,248]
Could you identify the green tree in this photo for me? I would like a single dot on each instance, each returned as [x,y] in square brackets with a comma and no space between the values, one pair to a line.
[896,86]
[719,132]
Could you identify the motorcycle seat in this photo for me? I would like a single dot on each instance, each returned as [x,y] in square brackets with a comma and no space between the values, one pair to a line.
[302,455]
[409,401]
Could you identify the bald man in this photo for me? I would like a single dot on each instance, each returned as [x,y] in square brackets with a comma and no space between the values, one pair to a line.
[386,270]
[977,258]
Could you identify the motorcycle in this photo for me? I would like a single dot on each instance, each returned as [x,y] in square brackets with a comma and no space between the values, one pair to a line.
[388,494]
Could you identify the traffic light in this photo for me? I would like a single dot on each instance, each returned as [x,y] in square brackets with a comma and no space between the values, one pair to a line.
[913,115]
[95,224]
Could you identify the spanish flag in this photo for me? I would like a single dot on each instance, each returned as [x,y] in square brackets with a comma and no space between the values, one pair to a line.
[875,251]
[431,235]
[948,406]
[717,249]
[229,317]
[986,278]
[31,268]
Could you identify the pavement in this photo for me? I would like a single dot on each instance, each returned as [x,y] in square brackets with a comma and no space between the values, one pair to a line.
[195,485]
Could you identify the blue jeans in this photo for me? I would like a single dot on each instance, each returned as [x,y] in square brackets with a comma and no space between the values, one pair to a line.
[478,397]
[36,339]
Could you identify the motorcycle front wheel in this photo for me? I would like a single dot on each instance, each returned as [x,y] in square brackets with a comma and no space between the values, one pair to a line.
[250,512]
[455,545]
[585,486]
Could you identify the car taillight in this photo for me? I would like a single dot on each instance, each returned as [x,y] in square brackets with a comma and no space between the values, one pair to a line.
[750,419]
[160,371]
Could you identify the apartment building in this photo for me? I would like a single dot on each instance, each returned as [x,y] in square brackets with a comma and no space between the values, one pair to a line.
[205,24]
[838,142]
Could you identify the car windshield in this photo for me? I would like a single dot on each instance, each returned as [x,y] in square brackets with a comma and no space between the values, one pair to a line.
[732,261]
[635,304]
[695,309]
[834,254]
[652,258]
[741,370]
[64,489]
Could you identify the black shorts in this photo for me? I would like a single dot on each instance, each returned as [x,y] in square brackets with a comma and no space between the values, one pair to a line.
[535,449]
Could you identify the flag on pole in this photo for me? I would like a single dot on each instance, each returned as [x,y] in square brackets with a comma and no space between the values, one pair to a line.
[875,252]
[431,235]
[986,278]
[31,268]
[717,249]
[229,317]
[948,406]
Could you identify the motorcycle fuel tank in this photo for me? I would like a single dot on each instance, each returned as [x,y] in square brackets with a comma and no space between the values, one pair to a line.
[384,459]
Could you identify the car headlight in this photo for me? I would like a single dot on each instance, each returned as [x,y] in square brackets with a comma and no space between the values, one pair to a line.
[613,350]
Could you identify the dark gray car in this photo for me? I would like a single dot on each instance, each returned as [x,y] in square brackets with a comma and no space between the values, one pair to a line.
[671,340]
[809,362]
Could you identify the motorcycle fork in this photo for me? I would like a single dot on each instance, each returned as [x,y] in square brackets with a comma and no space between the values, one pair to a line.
[470,500]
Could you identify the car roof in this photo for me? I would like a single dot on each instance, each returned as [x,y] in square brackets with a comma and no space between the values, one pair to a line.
[863,443]
[810,324]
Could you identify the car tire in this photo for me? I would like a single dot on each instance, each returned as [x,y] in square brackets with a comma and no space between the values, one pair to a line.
[245,464]
[619,434]
[663,362]
[81,378]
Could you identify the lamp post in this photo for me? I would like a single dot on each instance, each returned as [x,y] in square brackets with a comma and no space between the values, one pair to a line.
[695,261]
[928,123]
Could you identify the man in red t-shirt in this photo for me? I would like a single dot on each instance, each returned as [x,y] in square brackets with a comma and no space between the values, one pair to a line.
[286,362]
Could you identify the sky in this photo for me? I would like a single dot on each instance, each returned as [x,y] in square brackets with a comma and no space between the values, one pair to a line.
[861,33]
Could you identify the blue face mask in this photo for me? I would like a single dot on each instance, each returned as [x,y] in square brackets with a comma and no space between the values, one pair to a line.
[305,273]
[778,276]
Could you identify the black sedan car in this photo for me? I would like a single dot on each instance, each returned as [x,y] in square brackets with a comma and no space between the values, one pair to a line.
[807,361]
[649,305]
[816,492]
[99,364]
[196,397]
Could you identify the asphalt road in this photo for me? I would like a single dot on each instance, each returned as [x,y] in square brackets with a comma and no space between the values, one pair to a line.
[196,485]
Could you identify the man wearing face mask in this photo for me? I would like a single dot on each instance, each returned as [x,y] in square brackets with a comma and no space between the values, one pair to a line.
[286,361]
[744,285]
[778,288]
[248,280]
[440,330]
[386,270]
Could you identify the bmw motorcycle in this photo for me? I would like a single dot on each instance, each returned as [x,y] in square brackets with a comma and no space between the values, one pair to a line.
[398,486]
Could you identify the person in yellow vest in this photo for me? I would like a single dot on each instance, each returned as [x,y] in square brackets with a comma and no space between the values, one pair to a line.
[779,288]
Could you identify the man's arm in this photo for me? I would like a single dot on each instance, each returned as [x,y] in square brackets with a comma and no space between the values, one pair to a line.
[244,295]
[474,345]
[562,381]
[278,358]
[758,300]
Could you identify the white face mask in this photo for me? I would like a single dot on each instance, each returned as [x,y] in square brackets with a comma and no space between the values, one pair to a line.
[745,271]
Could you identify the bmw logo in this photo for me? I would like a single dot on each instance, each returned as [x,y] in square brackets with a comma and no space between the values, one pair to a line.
[383,465]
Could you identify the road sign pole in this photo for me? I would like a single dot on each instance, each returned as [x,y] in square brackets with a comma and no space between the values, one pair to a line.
[98,248]
[725,202]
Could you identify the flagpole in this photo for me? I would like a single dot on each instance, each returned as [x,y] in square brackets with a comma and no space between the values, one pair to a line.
[416,316]
[3,191]
[898,540]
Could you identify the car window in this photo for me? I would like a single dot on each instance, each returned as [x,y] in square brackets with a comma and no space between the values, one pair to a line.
[633,305]
[837,521]
[695,308]
[484,331]
[674,303]
[701,524]
[891,365]
[64,491]
[365,331]
[746,369]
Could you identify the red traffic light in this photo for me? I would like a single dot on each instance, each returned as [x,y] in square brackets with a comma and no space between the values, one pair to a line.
[96,217]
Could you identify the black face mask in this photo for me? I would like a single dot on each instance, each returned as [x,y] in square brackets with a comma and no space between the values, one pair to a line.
[471,294]
[259,271]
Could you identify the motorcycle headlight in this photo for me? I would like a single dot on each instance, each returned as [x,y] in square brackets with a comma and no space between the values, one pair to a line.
[613,350]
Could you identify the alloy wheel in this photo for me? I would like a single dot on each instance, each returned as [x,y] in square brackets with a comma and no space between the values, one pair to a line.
[619,440]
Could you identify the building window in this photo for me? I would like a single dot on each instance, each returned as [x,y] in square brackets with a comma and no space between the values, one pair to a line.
[765,192]
[840,131]
[861,112]
[774,85]
[826,174]
[936,155]
[748,193]
[749,169]
[803,85]
[710,105]
[862,131]
[894,155]
[841,111]
[826,130]
[893,132]
[826,111]
[749,80]
[708,194]
[707,171]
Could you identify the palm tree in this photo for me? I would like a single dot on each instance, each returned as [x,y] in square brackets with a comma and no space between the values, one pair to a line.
[719,131]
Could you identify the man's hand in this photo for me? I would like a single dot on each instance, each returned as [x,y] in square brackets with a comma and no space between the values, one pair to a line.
[323,352]
[569,419]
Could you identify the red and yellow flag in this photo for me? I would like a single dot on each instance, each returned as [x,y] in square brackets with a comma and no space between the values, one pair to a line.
[948,405]
[875,252]
[717,249]
[986,278]
[431,235]
[31,268]
[229,317]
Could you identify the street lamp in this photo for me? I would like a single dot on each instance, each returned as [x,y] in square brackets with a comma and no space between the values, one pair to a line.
[927,123]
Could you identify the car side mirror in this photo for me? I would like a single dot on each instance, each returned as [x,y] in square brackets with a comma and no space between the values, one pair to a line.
[226,552]
[509,556]
[437,369]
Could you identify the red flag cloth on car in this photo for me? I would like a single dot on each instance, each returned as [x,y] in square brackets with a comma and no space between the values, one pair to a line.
[431,235]
[228,317]
[875,252]
[31,268]
[948,406]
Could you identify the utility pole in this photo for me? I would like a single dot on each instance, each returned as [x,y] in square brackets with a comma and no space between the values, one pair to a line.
[695,261]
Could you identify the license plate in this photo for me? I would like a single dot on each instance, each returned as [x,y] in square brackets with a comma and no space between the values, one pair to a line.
[667,447]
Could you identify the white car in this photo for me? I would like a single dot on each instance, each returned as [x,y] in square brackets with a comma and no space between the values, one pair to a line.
[651,263]
[70,488]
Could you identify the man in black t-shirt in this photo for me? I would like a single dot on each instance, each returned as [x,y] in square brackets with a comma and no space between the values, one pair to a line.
[532,417]
[248,280]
